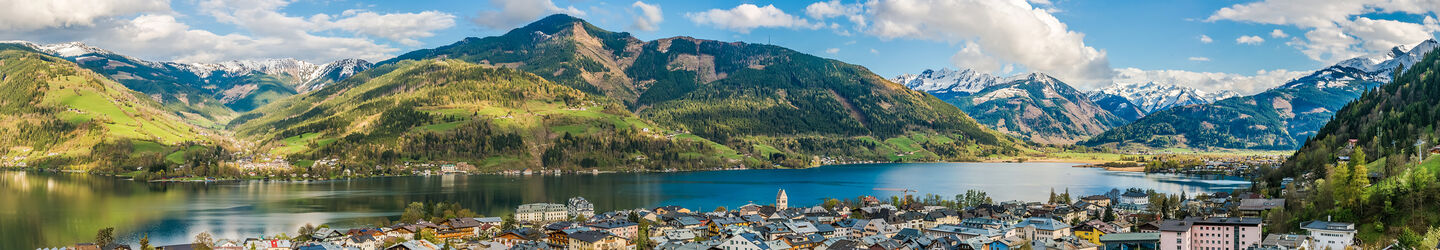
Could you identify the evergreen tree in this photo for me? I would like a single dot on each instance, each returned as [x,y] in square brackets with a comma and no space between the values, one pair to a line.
[105,237]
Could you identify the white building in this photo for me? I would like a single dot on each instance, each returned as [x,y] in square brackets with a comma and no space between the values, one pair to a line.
[578,206]
[1330,235]
[541,212]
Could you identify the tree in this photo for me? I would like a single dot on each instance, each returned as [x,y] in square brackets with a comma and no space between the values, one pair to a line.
[105,237]
[203,241]
[508,223]
[427,234]
[305,231]
[1359,177]
[642,238]
[413,212]
[1109,214]
[145,242]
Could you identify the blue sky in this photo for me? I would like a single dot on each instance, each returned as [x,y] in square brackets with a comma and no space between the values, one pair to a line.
[1087,43]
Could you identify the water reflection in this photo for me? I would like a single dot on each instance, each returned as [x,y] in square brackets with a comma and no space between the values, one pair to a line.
[47,209]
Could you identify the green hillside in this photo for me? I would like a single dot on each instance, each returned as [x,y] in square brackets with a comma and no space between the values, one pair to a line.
[765,101]
[1277,119]
[57,114]
[1393,128]
[450,110]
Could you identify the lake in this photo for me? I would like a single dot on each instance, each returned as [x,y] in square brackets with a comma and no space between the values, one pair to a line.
[57,209]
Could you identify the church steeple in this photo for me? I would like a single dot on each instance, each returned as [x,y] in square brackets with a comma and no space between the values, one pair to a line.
[781,201]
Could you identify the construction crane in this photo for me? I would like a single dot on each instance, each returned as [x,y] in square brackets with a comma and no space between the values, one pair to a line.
[905,194]
[903,191]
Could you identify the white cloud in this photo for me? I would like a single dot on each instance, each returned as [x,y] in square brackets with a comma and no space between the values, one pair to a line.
[1199,59]
[649,18]
[1210,81]
[1277,33]
[398,27]
[261,31]
[512,13]
[1251,40]
[1010,32]
[1206,39]
[1338,30]
[746,17]
[832,51]
[26,15]
[873,51]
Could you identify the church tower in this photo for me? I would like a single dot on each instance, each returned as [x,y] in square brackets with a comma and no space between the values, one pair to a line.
[781,201]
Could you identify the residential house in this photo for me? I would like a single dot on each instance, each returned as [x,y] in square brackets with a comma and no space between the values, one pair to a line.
[1042,229]
[597,240]
[1253,207]
[1098,200]
[1329,234]
[1287,242]
[620,228]
[744,241]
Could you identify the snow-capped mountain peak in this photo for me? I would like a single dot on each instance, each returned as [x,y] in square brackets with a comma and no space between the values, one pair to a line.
[948,81]
[1154,96]
[334,71]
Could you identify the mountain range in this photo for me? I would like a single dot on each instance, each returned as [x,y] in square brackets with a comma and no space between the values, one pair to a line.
[208,94]
[1279,118]
[557,93]
[1035,106]
[1153,96]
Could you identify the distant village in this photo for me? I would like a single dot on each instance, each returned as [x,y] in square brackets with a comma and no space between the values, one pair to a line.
[1117,220]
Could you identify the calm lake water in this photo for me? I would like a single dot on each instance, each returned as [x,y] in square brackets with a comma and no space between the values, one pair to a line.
[49,209]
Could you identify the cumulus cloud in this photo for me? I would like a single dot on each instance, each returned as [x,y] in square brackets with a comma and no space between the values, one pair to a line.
[261,31]
[1251,40]
[995,33]
[1277,33]
[511,13]
[1206,39]
[746,17]
[1210,81]
[832,51]
[27,15]
[1339,30]
[649,17]
[1199,59]
[398,27]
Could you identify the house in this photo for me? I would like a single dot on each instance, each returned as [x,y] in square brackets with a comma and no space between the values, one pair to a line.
[520,235]
[1098,200]
[267,244]
[744,241]
[562,237]
[1329,234]
[326,234]
[717,223]
[1287,242]
[620,228]
[414,245]
[1135,197]
[599,240]
[1253,207]
[1130,241]
[1042,229]
[222,244]
[1092,230]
